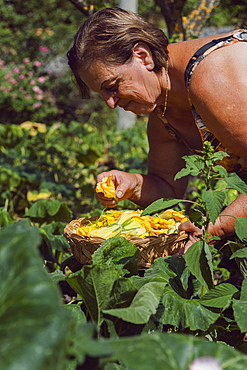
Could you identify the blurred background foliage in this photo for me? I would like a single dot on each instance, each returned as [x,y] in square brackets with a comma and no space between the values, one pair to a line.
[52,144]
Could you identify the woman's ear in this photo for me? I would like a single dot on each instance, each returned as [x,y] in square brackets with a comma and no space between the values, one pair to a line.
[144,55]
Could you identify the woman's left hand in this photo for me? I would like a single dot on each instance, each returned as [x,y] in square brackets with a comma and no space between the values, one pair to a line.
[193,231]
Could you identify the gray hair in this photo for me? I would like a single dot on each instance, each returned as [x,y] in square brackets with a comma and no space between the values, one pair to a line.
[109,35]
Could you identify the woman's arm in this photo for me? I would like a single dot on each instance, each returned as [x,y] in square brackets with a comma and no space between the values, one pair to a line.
[164,161]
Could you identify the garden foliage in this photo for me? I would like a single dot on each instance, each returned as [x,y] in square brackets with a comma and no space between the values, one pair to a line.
[119,314]
[56,313]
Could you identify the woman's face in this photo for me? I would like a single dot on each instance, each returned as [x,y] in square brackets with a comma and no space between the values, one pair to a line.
[132,86]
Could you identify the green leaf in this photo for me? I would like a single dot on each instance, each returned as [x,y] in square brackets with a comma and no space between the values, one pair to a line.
[160,205]
[34,322]
[186,313]
[160,271]
[94,284]
[143,305]
[118,251]
[241,228]
[234,182]
[194,165]
[195,215]
[241,253]
[214,200]
[220,169]
[199,261]
[171,351]
[47,210]
[57,242]
[220,296]
[5,218]
[240,308]
[122,293]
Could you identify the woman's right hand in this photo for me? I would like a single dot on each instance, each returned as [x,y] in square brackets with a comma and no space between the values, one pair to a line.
[127,185]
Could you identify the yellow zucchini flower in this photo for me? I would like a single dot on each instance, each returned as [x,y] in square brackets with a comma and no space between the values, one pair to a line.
[107,187]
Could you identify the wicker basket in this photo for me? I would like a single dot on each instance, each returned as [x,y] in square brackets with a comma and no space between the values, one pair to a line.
[151,247]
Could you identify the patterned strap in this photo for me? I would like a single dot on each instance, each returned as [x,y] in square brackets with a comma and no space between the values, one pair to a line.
[208,48]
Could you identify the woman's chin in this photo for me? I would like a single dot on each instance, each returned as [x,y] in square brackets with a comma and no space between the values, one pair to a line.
[144,109]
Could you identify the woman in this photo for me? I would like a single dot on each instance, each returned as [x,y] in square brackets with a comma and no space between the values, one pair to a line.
[192,91]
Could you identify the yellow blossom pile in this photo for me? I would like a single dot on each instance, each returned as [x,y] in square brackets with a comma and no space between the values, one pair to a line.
[130,223]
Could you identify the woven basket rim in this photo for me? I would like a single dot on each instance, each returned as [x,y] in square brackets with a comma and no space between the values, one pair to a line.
[150,247]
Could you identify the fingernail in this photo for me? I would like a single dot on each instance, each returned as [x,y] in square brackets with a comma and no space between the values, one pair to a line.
[119,194]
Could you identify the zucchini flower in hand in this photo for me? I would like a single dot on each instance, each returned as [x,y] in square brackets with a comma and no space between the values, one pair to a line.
[107,187]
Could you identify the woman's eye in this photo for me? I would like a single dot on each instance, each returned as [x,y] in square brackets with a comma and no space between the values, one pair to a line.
[112,87]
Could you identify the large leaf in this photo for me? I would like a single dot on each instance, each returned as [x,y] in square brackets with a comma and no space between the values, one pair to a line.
[241,228]
[214,200]
[159,271]
[181,282]
[220,296]
[160,205]
[186,313]
[143,305]
[199,261]
[47,210]
[240,308]
[34,323]
[94,284]
[118,251]
[234,182]
[174,352]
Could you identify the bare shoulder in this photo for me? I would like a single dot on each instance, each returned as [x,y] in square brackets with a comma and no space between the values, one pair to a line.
[218,90]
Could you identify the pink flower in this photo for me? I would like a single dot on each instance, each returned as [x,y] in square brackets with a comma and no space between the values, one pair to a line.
[32,82]
[41,79]
[26,60]
[36,89]
[44,49]
[37,105]
[30,74]
[37,63]
[22,77]
[13,81]
[16,70]
[1,63]
[40,97]
[8,75]
[27,96]
[205,363]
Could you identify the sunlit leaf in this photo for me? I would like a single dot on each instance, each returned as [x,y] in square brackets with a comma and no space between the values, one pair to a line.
[220,296]
[240,308]
[214,200]
[234,182]
[118,251]
[143,305]
[199,261]
[94,284]
[241,228]
[160,205]
[186,313]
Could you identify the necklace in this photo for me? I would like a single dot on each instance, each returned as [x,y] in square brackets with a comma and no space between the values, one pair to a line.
[166,96]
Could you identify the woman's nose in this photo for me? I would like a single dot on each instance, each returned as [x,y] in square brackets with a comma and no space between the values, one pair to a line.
[110,98]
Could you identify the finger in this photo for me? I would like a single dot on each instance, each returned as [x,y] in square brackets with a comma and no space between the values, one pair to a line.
[188,226]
